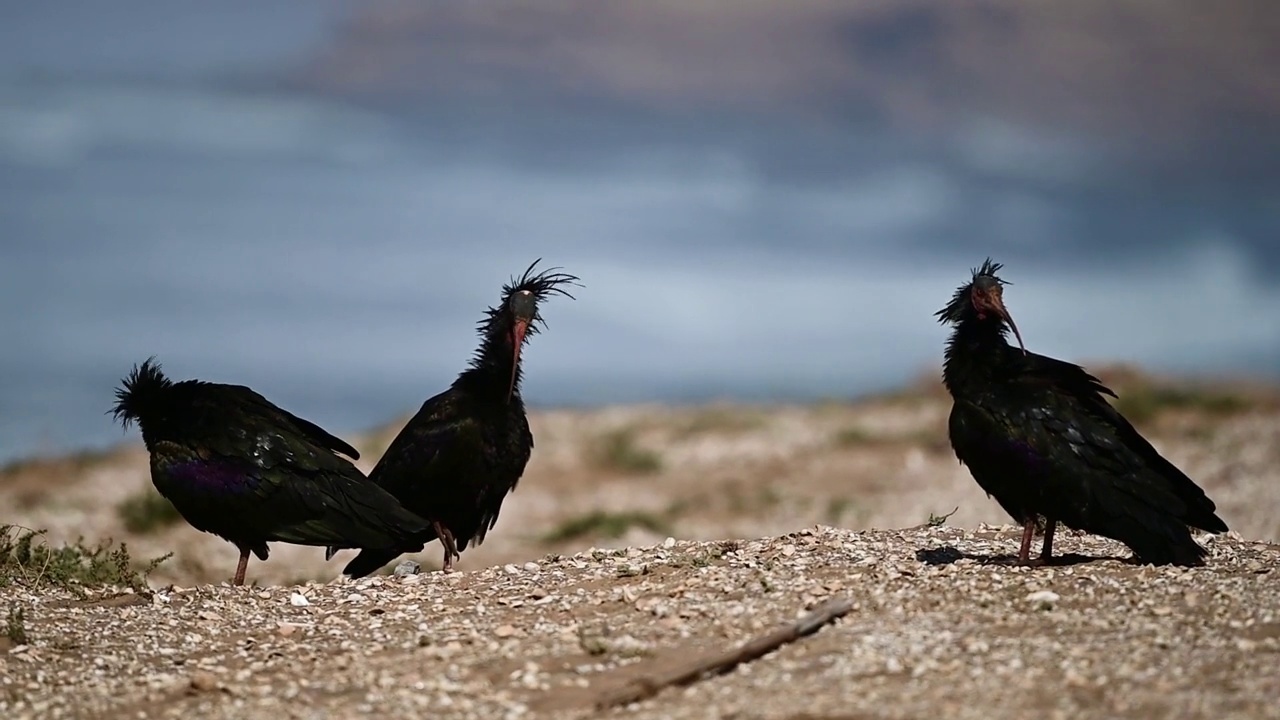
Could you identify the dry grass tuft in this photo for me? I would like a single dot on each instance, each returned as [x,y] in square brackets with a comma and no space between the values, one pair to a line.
[147,511]
[15,627]
[618,451]
[26,559]
[605,524]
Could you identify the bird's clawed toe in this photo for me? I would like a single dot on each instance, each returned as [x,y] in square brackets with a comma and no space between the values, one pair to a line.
[449,544]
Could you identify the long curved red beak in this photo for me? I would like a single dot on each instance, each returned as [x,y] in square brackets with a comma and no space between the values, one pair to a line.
[1009,319]
[517,340]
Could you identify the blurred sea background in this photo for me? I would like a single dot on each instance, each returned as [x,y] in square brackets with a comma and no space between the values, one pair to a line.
[764,200]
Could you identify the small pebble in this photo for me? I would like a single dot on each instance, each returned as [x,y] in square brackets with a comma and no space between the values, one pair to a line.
[408,567]
[1043,598]
[203,681]
[588,622]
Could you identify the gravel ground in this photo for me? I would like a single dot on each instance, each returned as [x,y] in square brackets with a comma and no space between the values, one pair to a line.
[942,626]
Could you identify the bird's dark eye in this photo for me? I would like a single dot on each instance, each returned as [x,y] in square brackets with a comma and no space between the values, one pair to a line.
[979,297]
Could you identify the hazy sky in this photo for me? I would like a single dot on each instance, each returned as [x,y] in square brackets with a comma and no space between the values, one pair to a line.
[162,193]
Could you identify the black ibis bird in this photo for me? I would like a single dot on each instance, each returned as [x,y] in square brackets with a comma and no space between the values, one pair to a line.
[236,465]
[466,448]
[1039,436]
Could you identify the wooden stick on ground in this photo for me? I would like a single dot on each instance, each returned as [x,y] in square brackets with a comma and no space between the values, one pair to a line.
[651,684]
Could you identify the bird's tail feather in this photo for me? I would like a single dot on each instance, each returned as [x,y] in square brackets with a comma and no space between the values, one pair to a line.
[373,520]
[1201,511]
[367,562]
[1166,541]
[376,519]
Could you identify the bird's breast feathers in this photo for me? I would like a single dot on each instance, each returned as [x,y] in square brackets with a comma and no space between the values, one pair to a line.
[199,477]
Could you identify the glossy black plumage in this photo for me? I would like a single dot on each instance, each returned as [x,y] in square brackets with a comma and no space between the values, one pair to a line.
[457,459]
[1038,436]
[236,465]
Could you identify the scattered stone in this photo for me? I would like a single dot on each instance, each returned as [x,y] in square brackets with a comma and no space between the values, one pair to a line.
[923,639]
[408,567]
[1043,599]
[202,682]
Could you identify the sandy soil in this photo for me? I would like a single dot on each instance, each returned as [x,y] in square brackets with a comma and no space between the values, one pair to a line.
[942,626]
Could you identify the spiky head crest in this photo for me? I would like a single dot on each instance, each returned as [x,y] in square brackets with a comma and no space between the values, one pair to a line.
[961,304]
[141,393]
[522,296]
[506,327]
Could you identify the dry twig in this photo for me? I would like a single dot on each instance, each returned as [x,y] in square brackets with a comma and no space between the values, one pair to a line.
[650,684]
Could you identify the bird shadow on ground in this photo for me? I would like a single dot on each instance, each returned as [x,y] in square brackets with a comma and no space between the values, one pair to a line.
[948,554]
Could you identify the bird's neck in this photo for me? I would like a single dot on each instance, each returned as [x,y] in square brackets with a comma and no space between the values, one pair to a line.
[156,436]
[490,373]
[977,354]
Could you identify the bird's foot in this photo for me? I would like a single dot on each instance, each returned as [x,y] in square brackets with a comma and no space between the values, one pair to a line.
[1024,550]
[449,555]
[449,544]
[1046,550]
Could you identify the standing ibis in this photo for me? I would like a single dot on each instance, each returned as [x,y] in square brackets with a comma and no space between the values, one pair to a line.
[236,465]
[457,459]
[1039,436]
